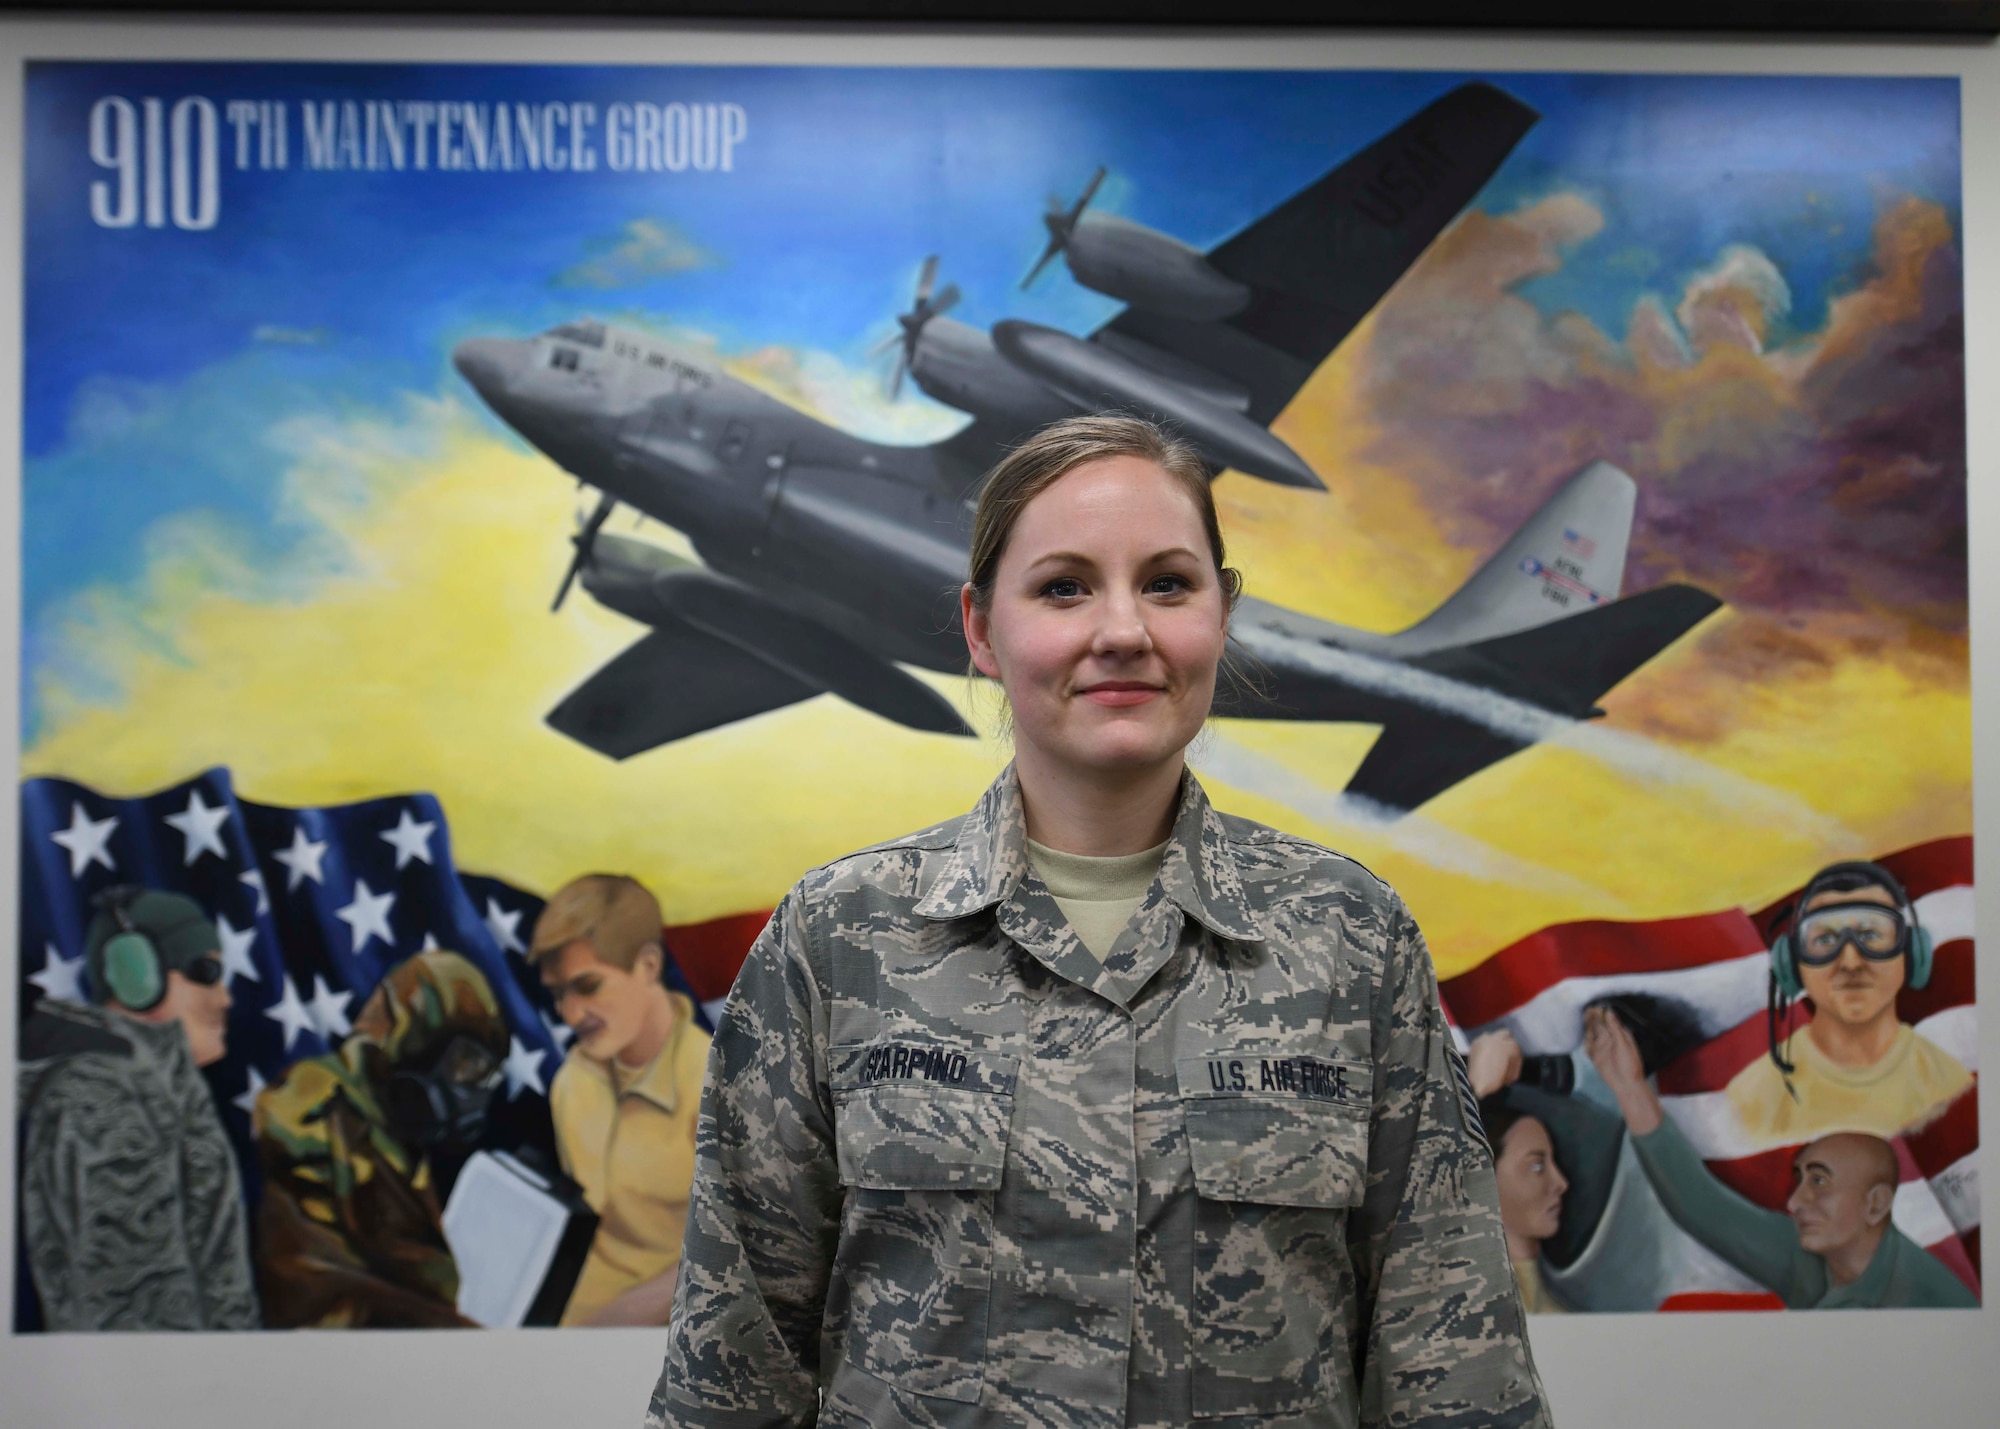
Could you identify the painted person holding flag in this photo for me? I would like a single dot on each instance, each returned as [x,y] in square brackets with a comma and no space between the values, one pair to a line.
[1834,1248]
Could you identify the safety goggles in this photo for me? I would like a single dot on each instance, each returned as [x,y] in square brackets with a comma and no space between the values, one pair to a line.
[1877,933]
[205,970]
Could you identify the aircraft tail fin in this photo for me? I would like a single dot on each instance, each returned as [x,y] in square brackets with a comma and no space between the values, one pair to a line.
[1568,557]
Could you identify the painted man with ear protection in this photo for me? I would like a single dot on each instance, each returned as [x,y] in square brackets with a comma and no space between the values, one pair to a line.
[349,1231]
[1854,942]
[129,1193]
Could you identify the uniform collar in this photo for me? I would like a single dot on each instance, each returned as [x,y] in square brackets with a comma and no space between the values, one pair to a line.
[657,1082]
[990,860]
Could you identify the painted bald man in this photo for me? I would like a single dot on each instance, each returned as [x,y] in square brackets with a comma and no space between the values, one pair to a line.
[1835,1248]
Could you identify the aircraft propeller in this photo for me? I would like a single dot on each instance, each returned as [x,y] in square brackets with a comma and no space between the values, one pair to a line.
[583,540]
[912,323]
[1062,225]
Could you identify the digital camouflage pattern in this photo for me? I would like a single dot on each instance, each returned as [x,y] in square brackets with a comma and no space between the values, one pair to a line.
[954,1171]
[349,1231]
[131,1210]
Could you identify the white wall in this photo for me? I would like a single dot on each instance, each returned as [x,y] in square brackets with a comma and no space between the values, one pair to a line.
[1929,1369]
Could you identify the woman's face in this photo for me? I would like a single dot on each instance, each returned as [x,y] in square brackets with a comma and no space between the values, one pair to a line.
[1107,620]
[1531,1185]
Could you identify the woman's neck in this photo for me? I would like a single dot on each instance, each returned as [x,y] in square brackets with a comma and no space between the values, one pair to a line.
[1098,813]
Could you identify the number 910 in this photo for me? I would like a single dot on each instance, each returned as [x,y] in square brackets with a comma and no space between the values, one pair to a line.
[169,169]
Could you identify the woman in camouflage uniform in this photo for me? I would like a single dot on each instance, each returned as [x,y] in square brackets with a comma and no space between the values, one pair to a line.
[1095,1106]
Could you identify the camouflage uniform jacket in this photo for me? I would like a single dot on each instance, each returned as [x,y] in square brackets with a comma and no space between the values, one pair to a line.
[953,1171]
[130,1201]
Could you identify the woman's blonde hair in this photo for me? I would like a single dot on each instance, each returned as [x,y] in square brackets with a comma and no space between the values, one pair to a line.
[1060,448]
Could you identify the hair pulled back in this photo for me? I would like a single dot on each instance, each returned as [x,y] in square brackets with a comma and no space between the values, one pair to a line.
[1060,448]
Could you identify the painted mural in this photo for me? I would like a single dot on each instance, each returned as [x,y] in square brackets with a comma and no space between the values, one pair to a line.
[489,530]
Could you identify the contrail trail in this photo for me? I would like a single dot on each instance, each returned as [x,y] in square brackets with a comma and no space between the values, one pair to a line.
[1630,754]
[1253,772]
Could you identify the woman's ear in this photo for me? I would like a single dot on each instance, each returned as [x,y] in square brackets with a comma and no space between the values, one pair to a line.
[978,634]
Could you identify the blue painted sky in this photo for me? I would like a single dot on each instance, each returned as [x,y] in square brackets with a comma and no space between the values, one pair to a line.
[160,365]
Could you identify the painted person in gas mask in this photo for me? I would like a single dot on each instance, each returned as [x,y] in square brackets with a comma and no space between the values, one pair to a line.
[349,1233]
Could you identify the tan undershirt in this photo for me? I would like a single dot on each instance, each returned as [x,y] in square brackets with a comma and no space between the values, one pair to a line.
[1097,895]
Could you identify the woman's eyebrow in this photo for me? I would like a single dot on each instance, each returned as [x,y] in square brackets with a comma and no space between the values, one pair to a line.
[1079,559]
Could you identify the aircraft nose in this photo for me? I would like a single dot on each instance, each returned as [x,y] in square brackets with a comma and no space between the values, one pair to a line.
[484,362]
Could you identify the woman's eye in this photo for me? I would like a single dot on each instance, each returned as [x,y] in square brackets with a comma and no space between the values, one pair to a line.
[1063,589]
[1168,585]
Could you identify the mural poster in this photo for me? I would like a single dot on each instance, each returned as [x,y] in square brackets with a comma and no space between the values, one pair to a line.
[488,530]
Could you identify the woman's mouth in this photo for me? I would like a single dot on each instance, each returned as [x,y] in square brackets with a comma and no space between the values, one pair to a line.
[1120,694]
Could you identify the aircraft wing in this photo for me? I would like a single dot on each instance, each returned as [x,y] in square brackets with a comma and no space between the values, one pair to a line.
[720,652]
[1422,753]
[675,682]
[1321,260]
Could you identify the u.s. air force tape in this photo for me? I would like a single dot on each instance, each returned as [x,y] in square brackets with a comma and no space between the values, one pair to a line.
[1264,1072]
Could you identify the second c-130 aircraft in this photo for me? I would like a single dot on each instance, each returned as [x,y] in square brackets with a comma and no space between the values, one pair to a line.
[827,562]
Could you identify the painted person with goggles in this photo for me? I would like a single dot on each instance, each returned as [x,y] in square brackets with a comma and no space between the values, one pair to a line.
[1853,945]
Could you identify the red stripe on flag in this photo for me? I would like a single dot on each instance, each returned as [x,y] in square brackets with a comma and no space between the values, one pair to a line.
[1950,984]
[1519,971]
[1954,1135]
[1722,1300]
[711,953]
[1765,1178]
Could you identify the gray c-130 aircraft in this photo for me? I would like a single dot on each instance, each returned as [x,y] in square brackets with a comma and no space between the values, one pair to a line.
[827,562]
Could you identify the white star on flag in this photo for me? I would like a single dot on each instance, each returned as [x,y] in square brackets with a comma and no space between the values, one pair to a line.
[236,945]
[201,826]
[523,1067]
[430,944]
[246,1102]
[88,840]
[302,859]
[411,838]
[368,915]
[290,1013]
[504,925]
[254,879]
[328,1010]
[559,1031]
[60,976]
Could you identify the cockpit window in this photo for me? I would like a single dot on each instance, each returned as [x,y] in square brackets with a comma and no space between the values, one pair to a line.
[563,359]
[587,333]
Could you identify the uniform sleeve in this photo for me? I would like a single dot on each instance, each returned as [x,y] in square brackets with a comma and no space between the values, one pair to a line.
[102,1202]
[763,1218]
[1763,1244]
[1443,1336]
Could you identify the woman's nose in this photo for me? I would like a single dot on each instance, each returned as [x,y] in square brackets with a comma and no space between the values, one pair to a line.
[1122,625]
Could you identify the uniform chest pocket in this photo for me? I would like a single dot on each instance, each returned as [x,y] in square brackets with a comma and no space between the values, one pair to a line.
[1280,1152]
[921,1134]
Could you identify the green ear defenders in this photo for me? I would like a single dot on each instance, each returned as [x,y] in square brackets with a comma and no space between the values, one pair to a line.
[1877,933]
[128,964]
